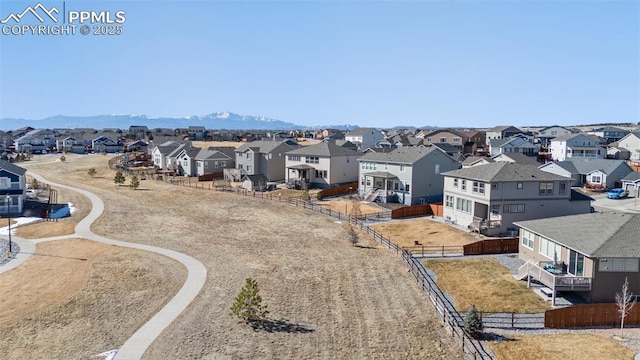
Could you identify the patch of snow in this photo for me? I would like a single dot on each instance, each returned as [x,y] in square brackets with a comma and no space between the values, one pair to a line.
[108,355]
[72,208]
[19,221]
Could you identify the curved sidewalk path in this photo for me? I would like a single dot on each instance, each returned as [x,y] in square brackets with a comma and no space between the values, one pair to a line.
[135,347]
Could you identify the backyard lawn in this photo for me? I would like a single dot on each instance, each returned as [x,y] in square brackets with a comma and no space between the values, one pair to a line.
[346,206]
[427,232]
[487,284]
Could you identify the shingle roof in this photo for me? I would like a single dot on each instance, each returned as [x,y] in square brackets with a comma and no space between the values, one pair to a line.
[14,169]
[504,171]
[571,136]
[401,155]
[632,176]
[210,154]
[474,159]
[361,131]
[502,128]
[595,235]
[520,158]
[261,146]
[580,166]
[328,148]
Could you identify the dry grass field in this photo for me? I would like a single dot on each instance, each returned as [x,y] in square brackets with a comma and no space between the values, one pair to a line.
[346,207]
[327,299]
[485,283]
[561,346]
[76,298]
[427,232]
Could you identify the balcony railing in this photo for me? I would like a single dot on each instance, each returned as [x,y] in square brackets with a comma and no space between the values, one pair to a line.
[554,278]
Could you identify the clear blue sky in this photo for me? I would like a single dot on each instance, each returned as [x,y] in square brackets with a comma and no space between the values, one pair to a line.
[382,64]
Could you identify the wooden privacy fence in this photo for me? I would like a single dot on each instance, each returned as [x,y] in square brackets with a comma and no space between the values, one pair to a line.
[434,250]
[492,246]
[589,315]
[346,189]
[211,177]
[417,210]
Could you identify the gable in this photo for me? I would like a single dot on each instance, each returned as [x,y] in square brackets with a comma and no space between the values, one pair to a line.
[6,174]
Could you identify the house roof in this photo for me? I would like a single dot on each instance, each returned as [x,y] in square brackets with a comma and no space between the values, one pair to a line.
[362,131]
[572,135]
[595,234]
[260,146]
[502,128]
[210,154]
[519,158]
[474,159]
[401,155]
[448,148]
[632,176]
[504,171]
[381,174]
[14,169]
[325,148]
[580,166]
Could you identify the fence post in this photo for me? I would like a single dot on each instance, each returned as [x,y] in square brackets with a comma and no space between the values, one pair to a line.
[512,318]
[442,250]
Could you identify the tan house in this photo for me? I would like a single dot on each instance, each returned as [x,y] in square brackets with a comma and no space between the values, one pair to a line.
[468,142]
[588,255]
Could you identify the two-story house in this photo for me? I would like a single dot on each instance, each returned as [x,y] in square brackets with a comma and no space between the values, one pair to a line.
[589,255]
[106,144]
[364,137]
[12,188]
[609,133]
[502,132]
[322,165]
[578,145]
[160,153]
[514,144]
[595,173]
[408,175]
[29,144]
[197,133]
[549,133]
[631,142]
[214,160]
[264,157]
[490,197]
[468,142]
[71,144]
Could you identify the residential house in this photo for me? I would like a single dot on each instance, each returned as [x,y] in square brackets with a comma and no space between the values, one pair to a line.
[136,145]
[631,183]
[490,197]
[450,150]
[264,157]
[364,137]
[408,175]
[256,182]
[47,136]
[12,188]
[516,157]
[516,144]
[197,133]
[609,133]
[160,153]
[104,144]
[549,133]
[588,255]
[578,145]
[617,152]
[596,173]
[322,165]
[138,132]
[29,144]
[476,160]
[452,137]
[502,132]
[214,160]
[476,142]
[71,144]
[631,142]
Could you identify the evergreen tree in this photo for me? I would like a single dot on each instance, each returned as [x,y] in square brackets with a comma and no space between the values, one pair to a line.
[248,304]
[119,178]
[473,323]
[134,183]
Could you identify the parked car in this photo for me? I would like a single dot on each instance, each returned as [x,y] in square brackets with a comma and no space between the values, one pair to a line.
[617,193]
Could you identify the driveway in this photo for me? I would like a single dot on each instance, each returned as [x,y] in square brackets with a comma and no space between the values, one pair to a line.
[628,204]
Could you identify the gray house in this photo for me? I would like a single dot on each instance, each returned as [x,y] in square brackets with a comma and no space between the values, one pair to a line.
[264,157]
[631,183]
[160,153]
[408,175]
[596,253]
[213,160]
[489,198]
[12,188]
[502,132]
[322,165]
[631,142]
[596,173]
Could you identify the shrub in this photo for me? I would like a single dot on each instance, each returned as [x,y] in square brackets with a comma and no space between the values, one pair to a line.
[473,323]
[248,304]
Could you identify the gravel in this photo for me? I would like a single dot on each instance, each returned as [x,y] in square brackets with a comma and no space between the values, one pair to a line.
[4,249]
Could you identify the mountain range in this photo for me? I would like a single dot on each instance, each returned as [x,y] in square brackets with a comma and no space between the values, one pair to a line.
[220,120]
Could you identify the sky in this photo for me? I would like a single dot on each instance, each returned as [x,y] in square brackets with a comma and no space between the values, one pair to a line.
[381,64]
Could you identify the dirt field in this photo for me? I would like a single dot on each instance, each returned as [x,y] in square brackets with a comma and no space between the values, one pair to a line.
[425,231]
[346,206]
[327,299]
[76,298]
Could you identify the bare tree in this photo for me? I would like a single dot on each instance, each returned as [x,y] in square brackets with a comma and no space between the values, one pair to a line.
[625,302]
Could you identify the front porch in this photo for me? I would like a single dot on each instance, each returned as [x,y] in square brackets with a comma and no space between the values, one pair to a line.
[298,176]
[380,186]
[554,276]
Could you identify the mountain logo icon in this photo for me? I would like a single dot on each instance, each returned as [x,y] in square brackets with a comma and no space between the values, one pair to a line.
[34,11]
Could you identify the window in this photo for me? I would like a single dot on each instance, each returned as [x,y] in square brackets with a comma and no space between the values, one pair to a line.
[402,167]
[362,181]
[224,164]
[270,156]
[456,139]
[463,205]
[478,187]
[368,182]
[494,186]
[396,186]
[239,165]
[495,209]
[248,156]
[294,157]
[312,160]
[596,179]
[249,169]
[527,238]
[618,265]
[455,182]
[448,201]
[546,188]
[369,166]
[464,185]
[407,187]
[576,263]
[321,174]
[513,208]
[5,183]
[550,249]
[215,164]
[428,139]
[520,185]
[563,188]
[443,139]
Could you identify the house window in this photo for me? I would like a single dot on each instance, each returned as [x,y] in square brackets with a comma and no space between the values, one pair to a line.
[494,186]
[5,182]
[456,139]
[495,209]
[478,187]
[464,185]
[563,188]
[249,169]
[312,160]
[546,188]
[519,186]
[618,265]
[407,187]
[596,179]
[448,201]
[294,157]
[443,139]
[455,182]
[549,249]
[513,208]
[248,156]
[463,205]
[224,164]
[215,164]
[576,263]
[368,182]
[321,174]
[527,239]
[239,165]
[396,186]
[362,181]
[428,139]
[402,167]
